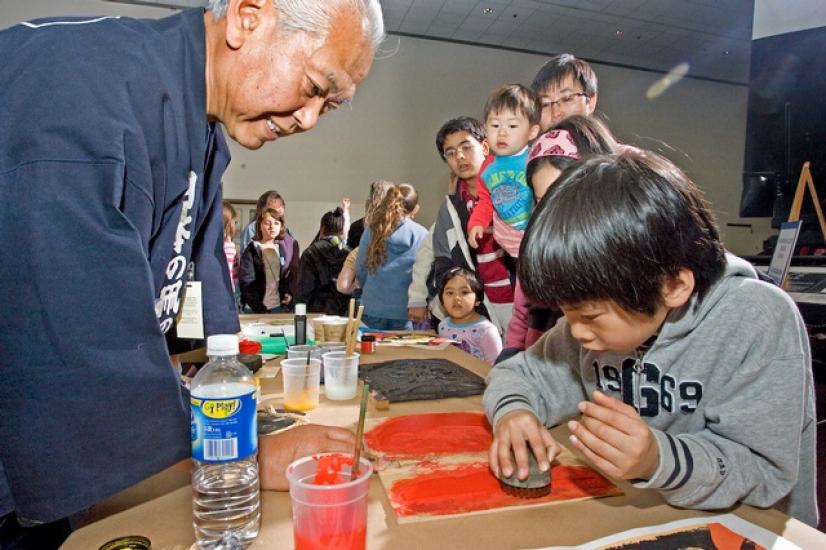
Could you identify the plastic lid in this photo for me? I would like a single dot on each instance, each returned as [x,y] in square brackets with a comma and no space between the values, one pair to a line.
[368,338]
[301,309]
[222,344]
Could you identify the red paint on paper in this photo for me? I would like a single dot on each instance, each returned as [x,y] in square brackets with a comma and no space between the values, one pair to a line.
[473,487]
[425,434]
[348,540]
[328,471]
[725,539]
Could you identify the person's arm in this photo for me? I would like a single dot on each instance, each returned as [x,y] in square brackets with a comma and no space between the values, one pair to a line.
[417,292]
[482,215]
[361,266]
[345,207]
[490,343]
[346,280]
[518,327]
[292,272]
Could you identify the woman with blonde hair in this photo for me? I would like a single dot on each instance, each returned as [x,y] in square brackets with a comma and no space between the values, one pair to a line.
[387,251]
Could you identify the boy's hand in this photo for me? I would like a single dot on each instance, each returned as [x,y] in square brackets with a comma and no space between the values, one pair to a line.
[417,314]
[614,437]
[345,203]
[474,234]
[523,431]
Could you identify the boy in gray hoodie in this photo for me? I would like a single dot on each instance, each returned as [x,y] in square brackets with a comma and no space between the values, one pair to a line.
[689,375]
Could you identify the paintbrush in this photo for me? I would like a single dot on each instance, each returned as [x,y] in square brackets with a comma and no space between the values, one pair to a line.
[360,430]
[353,330]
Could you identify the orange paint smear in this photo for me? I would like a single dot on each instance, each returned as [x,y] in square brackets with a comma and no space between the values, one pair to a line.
[328,471]
[725,538]
[424,434]
[473,487]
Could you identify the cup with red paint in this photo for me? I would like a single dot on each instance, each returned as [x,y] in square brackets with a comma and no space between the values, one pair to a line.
[329,508]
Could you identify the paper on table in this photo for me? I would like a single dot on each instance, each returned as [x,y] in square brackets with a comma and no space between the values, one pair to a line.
[740,526]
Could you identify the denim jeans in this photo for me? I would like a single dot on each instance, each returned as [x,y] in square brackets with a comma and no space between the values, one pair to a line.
[383,323]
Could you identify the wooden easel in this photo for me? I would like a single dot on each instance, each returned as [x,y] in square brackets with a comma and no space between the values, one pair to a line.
[804,182]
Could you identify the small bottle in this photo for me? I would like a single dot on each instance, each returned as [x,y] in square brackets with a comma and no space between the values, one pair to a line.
[368,343]
[225,488]
[300,323]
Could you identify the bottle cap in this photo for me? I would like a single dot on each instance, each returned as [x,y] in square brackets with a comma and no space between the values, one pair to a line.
[301,309]
[222,344]
[368,338]
[131,542]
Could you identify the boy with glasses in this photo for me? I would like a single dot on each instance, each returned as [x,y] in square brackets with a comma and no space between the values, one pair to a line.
[566,86]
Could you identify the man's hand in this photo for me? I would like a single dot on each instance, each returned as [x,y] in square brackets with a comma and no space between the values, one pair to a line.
[417,314]
[474,234]
[276,452]
[287,298]
[345,203]
[614,437]
[523,431]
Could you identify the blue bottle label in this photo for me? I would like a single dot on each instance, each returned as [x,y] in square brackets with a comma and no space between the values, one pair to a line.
[223,429]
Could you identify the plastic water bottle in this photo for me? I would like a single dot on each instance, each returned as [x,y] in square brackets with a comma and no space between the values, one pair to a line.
[225,489]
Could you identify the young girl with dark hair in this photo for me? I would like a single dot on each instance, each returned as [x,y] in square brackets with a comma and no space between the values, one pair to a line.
[460,293]
[262,282]
[321,264]
[387,251]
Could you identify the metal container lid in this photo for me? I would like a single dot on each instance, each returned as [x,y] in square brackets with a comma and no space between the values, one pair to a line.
[129,542]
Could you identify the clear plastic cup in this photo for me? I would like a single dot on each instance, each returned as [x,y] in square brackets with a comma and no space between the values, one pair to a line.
[301,383]
[328,516]
[335,330]
[299,352]
[341,375]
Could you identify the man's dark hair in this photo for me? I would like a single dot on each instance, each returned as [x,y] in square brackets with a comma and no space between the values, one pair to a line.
[517,98]
[472,280]
[591,137]
[554,71]
[460,124]
[616,228]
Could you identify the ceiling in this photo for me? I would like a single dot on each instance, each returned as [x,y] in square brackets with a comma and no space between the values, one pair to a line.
[713,36]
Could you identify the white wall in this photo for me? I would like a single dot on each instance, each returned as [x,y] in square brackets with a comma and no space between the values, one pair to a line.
[389,132]
[773,17]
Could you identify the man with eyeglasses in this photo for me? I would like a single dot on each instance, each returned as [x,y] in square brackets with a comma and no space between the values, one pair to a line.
[462,144]
[566,86]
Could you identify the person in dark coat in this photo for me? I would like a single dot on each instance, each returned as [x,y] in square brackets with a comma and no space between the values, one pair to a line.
[320,265]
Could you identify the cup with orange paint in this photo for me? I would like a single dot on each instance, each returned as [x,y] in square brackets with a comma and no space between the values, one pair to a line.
[329,508]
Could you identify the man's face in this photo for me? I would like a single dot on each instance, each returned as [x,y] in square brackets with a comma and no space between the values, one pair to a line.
[559,101]
[509,132]
[464,154]
[601,325]
[271,83]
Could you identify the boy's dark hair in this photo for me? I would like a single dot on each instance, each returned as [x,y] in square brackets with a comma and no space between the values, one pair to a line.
[516,98]
[615,228]
[472,280]
[460,124]
[554,71]
[591,137]
[332,222]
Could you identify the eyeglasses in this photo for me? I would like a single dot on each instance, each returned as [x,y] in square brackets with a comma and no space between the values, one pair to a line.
[464,148]
[564,101]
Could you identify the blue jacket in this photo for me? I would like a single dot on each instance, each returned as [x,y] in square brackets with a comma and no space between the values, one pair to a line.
[104,143]
[384,292]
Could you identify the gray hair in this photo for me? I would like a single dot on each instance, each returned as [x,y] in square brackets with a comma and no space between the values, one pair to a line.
[315,16]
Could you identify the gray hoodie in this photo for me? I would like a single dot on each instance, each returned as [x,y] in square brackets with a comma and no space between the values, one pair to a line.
[726,388]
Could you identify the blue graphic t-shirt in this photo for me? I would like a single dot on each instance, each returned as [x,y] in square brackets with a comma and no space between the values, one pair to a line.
[510,193]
